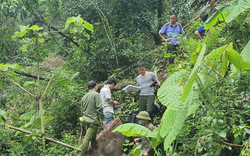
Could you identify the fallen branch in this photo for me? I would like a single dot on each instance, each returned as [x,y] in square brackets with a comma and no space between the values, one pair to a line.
[12,81]
[201,12]
[47,87]
[38,135]
[29,75]
[122,72]
[196,148]
[229,144]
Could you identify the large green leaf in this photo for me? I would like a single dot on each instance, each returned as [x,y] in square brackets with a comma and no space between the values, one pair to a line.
[236,59]
[229,10]
[214,19]
[157,140]
[131,129]
[170,92]
[171,124]
[189,84]
[193,102]
[26,116]
[28,83]
[137,150]
[235,7]
[88,26]
[3,113]
[225,63]
[35,28]
[23,31]
[8,65]
[79,26]
[171,89]
[246,52]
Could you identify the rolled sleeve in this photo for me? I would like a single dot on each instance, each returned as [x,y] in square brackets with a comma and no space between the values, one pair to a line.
[107,94]
[155,79]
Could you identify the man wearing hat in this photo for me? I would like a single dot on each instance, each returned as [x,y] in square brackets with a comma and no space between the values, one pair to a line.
[144,120]
[92,116]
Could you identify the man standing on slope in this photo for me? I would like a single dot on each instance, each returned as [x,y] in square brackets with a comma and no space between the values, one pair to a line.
[107,102]
[92,116]
[147,97]
[171,31]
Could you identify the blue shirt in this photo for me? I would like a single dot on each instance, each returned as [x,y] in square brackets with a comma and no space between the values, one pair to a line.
[172,31]
[202,31]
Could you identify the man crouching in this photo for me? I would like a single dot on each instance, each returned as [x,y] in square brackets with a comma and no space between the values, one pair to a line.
[144,120]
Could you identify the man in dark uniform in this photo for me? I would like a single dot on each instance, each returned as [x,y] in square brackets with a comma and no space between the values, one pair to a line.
[171,31]
[92,116]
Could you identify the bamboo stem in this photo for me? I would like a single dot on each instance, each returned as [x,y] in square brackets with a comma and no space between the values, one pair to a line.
[39,95]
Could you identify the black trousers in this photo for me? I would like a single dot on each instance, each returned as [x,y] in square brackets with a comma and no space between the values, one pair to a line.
[173,49]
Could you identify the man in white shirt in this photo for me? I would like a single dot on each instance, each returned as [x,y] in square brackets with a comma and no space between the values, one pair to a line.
[107,102]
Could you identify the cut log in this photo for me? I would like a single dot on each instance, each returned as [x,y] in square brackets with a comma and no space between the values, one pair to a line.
[109,144]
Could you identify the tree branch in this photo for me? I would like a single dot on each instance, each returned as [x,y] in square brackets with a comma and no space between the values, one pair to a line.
[9,79]
[43,20]
[229,144]
[29,75]
[201,12]
[47,87]
[122,72]
[38,135]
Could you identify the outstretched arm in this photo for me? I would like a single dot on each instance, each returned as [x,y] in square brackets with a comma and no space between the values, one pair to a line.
[197,33]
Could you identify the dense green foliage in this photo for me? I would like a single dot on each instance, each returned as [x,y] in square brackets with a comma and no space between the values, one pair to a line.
[204,99]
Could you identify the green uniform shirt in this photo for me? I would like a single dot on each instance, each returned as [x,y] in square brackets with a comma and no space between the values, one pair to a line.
[92,107]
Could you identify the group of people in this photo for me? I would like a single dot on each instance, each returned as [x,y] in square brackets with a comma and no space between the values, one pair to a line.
[171,31]
[98,108]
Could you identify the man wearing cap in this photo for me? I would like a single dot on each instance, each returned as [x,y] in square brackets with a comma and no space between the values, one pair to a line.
[92,116]
[144,120]
[107,102]
[171,31]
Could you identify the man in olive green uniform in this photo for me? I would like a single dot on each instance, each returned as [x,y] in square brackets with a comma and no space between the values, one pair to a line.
[92,116]
[144,120]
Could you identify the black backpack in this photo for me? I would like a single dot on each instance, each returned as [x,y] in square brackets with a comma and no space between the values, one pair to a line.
[132,117]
